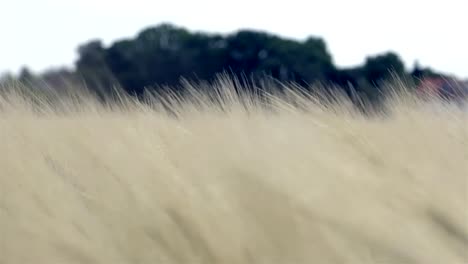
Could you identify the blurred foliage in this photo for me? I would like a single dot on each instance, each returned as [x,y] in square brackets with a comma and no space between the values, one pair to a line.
[161,55]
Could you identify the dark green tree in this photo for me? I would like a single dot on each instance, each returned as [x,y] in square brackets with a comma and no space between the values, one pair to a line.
[94,70]
[383,67]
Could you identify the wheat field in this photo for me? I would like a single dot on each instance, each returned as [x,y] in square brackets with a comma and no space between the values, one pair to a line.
[293,181]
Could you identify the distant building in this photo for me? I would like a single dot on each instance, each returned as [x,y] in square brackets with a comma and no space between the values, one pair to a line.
[447,88]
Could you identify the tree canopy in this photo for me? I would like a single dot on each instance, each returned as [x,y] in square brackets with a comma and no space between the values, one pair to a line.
[163,54]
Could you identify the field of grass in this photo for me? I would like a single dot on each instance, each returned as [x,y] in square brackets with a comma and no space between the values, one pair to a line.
[290,182]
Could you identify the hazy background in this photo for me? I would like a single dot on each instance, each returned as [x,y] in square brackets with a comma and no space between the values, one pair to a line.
[41,34]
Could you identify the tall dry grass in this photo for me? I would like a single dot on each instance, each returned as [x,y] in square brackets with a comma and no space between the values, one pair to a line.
[285,179]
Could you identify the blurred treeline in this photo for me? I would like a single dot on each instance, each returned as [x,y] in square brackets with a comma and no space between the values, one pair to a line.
[160,56]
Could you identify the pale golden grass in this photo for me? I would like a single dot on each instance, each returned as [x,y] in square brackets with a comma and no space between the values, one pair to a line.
[244,183]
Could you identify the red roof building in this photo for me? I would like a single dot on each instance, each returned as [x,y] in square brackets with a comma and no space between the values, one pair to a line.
[449,88]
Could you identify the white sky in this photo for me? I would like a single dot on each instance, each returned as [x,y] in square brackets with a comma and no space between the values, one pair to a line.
[46,33]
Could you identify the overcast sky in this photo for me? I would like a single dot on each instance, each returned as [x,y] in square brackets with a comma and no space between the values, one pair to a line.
[45,33]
